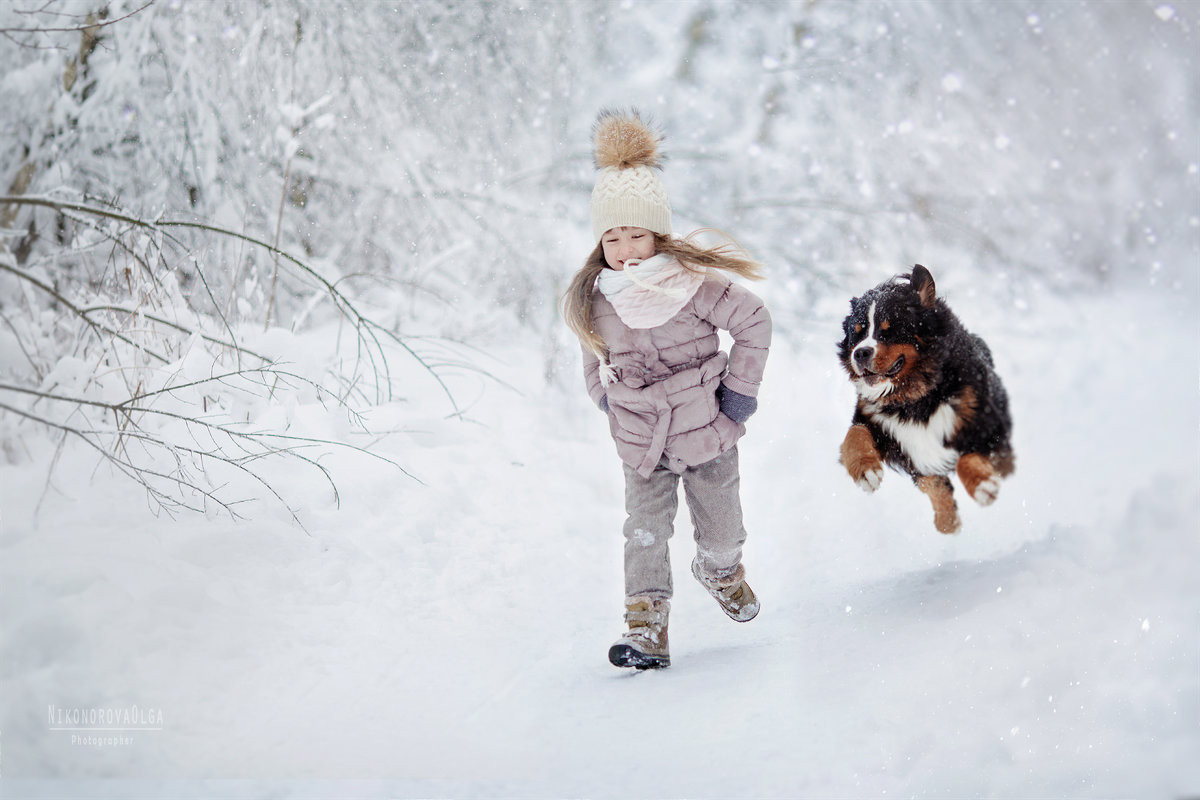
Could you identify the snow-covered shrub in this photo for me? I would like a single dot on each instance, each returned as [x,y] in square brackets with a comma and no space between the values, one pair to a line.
[102,348]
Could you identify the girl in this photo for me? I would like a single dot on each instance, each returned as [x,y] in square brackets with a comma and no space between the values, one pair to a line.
[646,307]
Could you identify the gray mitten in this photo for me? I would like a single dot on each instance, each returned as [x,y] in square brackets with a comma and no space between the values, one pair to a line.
[738,407]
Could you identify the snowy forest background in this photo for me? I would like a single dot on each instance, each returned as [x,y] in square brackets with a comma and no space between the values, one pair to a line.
[282,277]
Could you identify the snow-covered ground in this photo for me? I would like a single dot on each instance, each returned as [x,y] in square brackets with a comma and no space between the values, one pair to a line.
[448,638]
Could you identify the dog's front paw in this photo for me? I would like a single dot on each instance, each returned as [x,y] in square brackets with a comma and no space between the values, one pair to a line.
[979,478]
[869,481]
[861,458]
[987,491]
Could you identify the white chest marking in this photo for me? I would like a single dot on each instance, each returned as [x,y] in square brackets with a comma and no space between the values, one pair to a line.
[923,442]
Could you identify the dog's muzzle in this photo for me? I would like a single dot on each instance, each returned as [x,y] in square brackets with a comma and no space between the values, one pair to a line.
[863,356]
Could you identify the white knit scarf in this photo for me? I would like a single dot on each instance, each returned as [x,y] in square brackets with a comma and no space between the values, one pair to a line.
[646,294]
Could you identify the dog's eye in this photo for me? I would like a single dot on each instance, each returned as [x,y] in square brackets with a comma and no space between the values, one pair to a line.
[858,328]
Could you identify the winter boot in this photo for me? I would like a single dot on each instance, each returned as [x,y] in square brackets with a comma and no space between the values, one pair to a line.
[732,592]
[644,645]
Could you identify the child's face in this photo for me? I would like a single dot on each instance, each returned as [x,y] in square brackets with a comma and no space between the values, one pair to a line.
[625,244]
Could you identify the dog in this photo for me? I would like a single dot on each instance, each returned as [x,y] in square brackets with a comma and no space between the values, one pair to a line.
[929,399]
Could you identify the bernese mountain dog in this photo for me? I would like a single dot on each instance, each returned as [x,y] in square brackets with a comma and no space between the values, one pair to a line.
[929,400]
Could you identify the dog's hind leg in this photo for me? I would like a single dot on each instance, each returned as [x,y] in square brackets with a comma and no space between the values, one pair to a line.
[979,477]
[861,458]
[941,494]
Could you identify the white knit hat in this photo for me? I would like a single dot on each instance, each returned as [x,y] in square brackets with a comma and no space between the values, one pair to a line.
[628,190]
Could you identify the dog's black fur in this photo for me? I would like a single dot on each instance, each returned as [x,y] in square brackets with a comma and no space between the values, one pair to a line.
[929,399]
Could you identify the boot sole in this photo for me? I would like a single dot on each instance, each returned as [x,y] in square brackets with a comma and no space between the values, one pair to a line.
[622,655]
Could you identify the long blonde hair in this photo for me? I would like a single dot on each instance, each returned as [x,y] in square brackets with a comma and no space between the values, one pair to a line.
[577,300]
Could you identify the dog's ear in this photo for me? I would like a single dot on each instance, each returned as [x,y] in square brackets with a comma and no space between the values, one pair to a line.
[922,283]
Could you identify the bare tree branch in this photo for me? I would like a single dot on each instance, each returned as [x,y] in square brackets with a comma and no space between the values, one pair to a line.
[171,458]
[369,333]
[78,28]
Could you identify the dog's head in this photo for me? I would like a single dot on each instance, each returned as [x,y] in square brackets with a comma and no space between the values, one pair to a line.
[888,347]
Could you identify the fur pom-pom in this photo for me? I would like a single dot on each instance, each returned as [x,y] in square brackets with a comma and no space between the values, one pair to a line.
[624,140]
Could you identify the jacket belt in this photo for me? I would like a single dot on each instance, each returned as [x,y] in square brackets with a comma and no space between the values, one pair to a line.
[658,437]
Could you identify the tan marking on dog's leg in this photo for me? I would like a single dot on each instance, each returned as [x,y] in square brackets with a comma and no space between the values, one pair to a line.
[861,458]
[1004,462]
[941,494]
[979,478]
[965,406]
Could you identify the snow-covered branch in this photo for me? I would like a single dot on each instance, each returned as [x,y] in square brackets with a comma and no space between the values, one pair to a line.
[152,382]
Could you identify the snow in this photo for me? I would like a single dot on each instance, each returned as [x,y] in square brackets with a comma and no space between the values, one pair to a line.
[447,638]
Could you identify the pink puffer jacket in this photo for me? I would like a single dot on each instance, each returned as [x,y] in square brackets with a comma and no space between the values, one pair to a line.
[664,401]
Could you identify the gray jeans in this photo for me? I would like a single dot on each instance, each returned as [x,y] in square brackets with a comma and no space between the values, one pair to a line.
[712,492]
